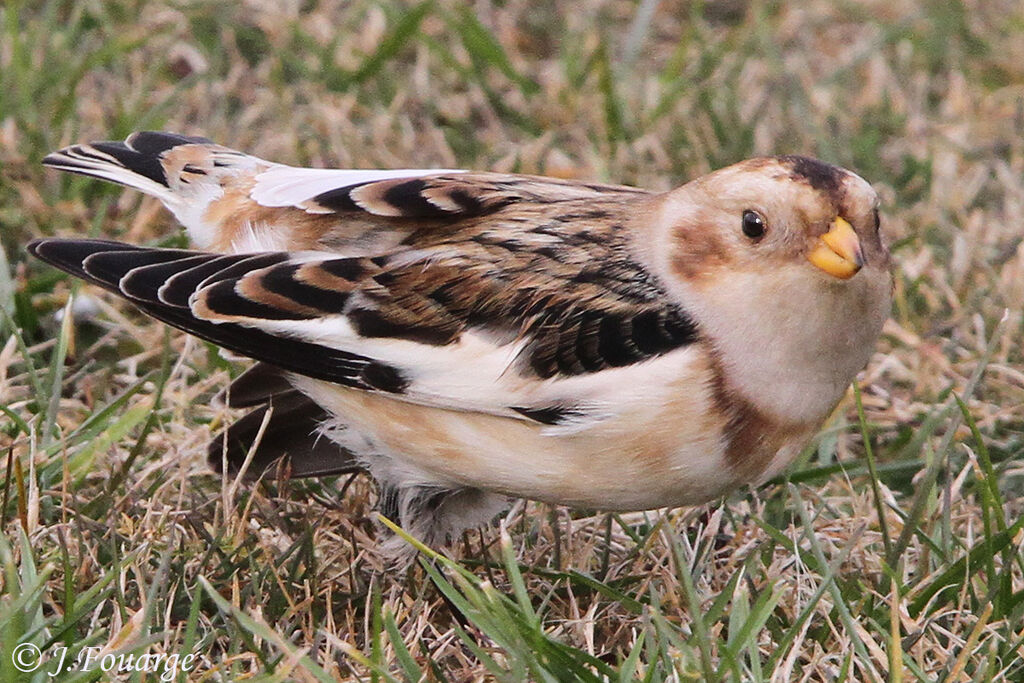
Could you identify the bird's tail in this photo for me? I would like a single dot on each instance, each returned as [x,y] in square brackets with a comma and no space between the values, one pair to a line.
[159,164]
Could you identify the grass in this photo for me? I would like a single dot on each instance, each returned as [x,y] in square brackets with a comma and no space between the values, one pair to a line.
[891,551]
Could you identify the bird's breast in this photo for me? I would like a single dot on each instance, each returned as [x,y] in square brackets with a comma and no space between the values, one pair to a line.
[669,443]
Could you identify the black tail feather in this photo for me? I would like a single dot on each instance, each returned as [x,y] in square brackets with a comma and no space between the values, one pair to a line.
[255,386]
[140,154]
[292,431]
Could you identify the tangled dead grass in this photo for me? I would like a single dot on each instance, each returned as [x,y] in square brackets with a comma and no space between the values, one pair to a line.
[799,580]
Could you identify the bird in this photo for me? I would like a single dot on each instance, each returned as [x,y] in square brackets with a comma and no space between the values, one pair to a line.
[472,338]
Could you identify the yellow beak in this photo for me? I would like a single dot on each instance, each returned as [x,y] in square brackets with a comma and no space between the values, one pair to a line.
[837,252]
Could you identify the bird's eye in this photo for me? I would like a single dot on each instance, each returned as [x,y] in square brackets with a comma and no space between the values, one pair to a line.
[753,225]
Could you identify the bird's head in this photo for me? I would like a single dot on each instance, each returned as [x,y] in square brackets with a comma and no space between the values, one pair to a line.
[773,213]
[782,262]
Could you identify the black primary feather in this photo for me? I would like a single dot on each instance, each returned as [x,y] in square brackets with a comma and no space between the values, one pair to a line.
[115,261]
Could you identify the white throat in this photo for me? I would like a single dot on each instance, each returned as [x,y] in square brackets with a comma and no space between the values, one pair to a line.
[790,342]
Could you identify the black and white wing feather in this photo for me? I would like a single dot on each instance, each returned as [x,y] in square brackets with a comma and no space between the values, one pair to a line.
[506,330]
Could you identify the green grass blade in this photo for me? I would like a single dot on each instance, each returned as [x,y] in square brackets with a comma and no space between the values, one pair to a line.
[959,572]
[394,42]
[264,631]
[931,475]
[869,455]
[405,659]
[484,49]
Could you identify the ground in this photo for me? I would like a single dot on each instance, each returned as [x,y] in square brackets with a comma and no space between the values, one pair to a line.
[892,550]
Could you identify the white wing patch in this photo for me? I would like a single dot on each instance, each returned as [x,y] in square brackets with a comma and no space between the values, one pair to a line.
[475,374]
[469,375]
[290,186]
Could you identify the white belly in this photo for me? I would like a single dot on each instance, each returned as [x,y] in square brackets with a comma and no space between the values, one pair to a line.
[664,451]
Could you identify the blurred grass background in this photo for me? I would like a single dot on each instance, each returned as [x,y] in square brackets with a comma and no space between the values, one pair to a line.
[891,551]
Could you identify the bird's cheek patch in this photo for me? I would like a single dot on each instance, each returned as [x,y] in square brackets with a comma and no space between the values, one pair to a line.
[697,252]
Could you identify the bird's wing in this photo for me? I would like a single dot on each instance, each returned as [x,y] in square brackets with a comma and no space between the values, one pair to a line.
[415,193]
[367,213]
[503,321]
[231,201]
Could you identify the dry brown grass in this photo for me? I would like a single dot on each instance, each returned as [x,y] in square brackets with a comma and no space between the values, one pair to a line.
[924,98]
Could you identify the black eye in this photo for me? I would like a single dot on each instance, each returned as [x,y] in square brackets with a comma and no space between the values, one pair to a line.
[753,225]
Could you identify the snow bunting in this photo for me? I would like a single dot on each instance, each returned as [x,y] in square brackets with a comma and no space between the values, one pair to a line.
[469,337]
